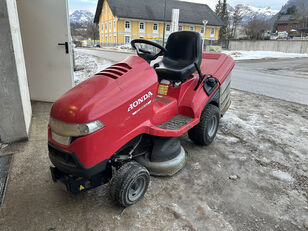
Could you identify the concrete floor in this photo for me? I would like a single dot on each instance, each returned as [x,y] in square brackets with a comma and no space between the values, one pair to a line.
[262,142]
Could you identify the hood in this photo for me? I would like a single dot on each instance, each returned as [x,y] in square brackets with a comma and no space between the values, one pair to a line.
[105,91]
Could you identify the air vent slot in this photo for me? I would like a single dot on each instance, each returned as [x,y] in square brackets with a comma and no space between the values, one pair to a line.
[115,71]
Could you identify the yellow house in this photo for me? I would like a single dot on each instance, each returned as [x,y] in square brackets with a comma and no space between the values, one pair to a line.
[120,21]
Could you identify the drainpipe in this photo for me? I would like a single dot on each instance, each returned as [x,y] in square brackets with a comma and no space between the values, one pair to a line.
[204,23]
[164,23]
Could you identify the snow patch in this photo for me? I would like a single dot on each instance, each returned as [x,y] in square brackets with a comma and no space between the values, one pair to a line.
[248,55]
[284,176]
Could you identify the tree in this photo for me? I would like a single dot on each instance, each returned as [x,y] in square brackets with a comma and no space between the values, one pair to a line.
[237,19]
[92,31]
[255,28]
[222,13]
[301,14]
[218,8]
[292,10]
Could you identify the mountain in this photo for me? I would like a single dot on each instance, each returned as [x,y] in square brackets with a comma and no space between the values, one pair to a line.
[81,16]
[297,3]
[249,12]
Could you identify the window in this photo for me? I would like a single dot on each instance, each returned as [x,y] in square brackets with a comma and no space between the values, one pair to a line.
[110,27]
[202,30]
[180,28]
[106,39]
[115,39]
[168,28]
[110,39]
[114,25]
[155,28]
[127,39]
[141,27]
[192,28]
[212,32]
[127,25]
[105,27]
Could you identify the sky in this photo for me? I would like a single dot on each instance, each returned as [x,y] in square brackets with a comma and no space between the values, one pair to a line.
[274,4]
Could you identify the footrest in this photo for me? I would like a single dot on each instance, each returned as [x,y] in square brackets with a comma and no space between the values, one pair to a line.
[177,126]
[176,122]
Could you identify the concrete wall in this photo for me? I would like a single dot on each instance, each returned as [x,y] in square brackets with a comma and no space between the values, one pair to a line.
[15,106]
[286,46]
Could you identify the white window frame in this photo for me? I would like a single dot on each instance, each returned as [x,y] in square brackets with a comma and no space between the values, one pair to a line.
[192,28]
[213,34]
[141,30]
[125,36]
[168,25]
[127,29]
[180,28]
[155,31]
[202,30]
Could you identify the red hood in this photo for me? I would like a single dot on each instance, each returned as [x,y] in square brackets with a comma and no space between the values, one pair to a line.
[99,95]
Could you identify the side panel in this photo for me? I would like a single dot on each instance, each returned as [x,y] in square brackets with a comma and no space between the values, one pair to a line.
[225,96]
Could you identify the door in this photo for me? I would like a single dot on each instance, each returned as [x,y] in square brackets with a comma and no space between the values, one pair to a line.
[47,47]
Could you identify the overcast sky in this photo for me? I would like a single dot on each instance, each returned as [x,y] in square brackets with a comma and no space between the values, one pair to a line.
[274,4]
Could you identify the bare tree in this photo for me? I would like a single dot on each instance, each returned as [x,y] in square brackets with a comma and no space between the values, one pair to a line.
[301,13]
[237,19]
[255,28]
[92,31]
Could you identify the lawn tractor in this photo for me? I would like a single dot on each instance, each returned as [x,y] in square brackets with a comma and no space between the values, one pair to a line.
[123,124]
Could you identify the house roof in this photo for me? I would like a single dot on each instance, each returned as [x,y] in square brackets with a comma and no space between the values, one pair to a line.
[286,19]
[191,13]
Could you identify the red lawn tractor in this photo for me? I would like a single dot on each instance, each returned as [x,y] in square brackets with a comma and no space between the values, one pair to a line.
[122,125]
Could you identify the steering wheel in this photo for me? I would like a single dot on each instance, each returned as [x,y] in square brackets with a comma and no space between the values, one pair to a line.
[145,54]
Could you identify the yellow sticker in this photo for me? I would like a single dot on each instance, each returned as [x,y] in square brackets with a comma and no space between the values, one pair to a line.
[81,188]
[163,89]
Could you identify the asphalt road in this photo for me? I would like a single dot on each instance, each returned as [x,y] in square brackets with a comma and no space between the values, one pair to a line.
[285,79]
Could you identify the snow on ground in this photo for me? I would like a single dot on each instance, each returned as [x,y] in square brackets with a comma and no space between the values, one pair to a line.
[248,55]
[86,66]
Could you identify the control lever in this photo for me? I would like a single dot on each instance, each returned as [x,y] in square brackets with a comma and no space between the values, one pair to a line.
[201,77]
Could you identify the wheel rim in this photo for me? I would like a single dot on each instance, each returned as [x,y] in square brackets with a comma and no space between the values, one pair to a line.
[212,125]
[137,188]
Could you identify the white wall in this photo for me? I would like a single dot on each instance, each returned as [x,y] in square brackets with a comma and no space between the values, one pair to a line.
[287,46]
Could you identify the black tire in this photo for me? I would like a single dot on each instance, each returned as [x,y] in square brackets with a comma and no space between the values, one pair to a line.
[129,184]
[205,131]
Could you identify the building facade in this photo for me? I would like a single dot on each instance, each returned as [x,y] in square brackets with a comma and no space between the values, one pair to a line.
[120,27]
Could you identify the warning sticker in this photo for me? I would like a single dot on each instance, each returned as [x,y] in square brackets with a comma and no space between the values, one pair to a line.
[163,89]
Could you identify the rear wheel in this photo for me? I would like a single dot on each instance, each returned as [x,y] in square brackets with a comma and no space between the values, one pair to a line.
[205,132]
[129,184]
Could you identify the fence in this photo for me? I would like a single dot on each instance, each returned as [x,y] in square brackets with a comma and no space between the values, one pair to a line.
[287,46]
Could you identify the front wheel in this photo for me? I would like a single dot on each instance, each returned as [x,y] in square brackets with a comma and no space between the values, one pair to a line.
[205,131]
[129,184]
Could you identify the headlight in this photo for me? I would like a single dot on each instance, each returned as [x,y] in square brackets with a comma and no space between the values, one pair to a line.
[74,130]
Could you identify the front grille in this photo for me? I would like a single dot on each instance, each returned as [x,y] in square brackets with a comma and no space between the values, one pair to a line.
[62,157]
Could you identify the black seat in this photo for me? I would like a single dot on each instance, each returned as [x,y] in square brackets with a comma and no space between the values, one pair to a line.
[184,49]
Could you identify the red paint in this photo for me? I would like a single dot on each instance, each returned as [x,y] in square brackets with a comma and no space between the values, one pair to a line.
[107,97]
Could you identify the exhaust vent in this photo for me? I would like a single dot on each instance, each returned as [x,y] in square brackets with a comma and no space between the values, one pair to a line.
[115,71]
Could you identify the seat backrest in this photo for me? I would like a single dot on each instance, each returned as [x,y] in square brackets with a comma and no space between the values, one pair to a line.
[184,47]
